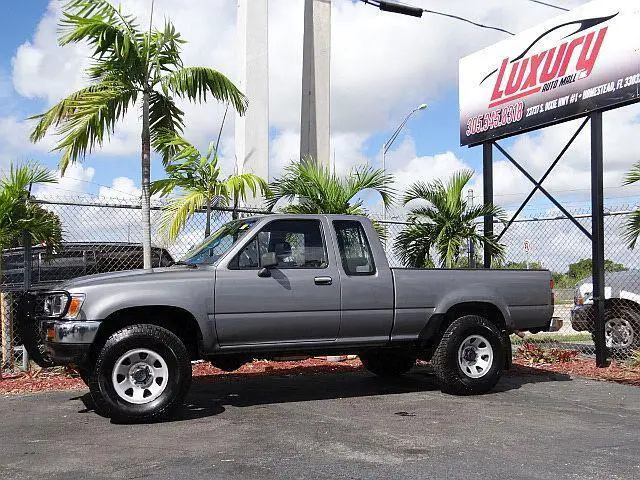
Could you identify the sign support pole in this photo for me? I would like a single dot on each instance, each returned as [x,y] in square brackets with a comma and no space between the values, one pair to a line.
[597,235]
[487,191]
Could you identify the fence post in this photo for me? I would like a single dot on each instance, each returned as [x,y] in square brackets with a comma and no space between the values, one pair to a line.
[597,236]
[487,189]
[7,331]
[28,266]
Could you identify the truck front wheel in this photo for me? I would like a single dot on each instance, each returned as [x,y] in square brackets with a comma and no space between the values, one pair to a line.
[142,373]
[388,363]
[470,356]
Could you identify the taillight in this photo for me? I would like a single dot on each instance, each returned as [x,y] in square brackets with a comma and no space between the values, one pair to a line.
[553,295]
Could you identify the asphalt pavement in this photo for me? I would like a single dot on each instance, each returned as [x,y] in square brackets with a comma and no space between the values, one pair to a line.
[336,426]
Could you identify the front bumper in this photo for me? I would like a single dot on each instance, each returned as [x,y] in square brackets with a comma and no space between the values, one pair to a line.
[68,341]
[582,319]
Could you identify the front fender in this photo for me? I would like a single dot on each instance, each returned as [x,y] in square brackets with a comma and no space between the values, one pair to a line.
[197,300]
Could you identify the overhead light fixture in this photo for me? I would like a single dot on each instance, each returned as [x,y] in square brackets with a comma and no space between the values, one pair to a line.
[401,9]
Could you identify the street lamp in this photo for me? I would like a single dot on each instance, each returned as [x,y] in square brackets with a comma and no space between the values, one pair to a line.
[388,143]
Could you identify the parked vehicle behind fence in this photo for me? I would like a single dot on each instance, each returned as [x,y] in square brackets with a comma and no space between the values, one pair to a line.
[622,310]
[285,285]
[75,259]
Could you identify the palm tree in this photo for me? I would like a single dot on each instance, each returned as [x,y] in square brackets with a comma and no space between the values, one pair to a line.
[18,215]
[445,224]
[632,225]
[201,183]
[127,64]
[316,190]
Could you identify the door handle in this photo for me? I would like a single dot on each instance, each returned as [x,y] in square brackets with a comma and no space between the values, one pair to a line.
[323,280]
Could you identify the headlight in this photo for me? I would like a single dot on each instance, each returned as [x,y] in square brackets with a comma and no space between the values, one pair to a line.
[56,304]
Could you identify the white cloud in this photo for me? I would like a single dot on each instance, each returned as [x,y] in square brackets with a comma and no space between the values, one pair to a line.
[382,65]
[121,187]
[74,183]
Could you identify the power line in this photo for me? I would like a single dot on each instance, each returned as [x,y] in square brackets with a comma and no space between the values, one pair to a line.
[549,5]
[405,9]
[462,19]
[101,185]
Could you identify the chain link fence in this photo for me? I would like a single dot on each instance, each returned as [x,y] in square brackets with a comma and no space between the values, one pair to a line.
[553,242]
[102,236]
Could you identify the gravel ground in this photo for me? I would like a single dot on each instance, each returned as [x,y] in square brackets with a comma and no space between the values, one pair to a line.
[336,425]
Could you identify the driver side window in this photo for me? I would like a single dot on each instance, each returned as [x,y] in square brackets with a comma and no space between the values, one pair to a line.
[296,243]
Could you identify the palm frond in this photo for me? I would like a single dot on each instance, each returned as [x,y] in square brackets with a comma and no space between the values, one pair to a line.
[22,175]
[174,146]
[197,83]
[479,211]
[446,223]
[107,39]
[239,185]
[432,192]
[165,118]
[18,215]
[177,213]
[163,48]
[90,118]
[162,187]
[413,244]
[632,175]
[365,178]
[64,110]
[102,9]
[632,230]
[317,190]
[455,187]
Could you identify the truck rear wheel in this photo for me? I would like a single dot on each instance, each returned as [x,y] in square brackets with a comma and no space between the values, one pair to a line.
[142,373]
[388,363]
[470,356]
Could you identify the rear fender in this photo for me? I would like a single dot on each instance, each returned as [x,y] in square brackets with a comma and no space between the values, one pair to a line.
[479,295]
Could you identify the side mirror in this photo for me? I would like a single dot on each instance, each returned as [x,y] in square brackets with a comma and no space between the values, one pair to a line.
[267,261]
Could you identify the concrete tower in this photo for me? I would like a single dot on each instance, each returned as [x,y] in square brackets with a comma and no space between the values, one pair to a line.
[252,130]
[316,98]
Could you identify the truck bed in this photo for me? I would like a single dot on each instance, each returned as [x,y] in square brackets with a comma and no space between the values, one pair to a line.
[522,296]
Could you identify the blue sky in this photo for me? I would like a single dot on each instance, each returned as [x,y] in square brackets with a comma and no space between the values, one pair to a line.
[382,67]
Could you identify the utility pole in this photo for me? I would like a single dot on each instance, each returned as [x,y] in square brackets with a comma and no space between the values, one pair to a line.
[316,95]
[252,129]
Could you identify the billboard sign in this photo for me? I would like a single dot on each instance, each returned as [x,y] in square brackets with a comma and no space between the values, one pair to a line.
[585,60]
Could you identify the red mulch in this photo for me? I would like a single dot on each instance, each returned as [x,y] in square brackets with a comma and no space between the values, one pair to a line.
[60,379]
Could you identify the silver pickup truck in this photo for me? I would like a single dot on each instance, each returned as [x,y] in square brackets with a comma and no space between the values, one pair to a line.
[282,285]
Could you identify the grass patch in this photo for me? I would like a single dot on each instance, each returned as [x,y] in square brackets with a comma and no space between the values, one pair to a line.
[551,338]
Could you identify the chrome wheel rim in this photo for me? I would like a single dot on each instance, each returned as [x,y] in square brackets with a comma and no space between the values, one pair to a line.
[140,376]
[475,356]
[618,333]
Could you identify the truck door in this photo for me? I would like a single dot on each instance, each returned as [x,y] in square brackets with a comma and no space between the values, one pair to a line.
[298,302]
[366,283]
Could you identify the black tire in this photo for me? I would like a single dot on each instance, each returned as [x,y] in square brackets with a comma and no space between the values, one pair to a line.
[388,363]
[632,321]
[84,373]
[447,363]
[160,342]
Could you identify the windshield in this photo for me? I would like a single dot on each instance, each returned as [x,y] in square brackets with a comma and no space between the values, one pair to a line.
[215,246]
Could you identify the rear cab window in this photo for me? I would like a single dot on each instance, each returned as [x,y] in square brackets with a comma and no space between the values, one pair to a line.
[355,252]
